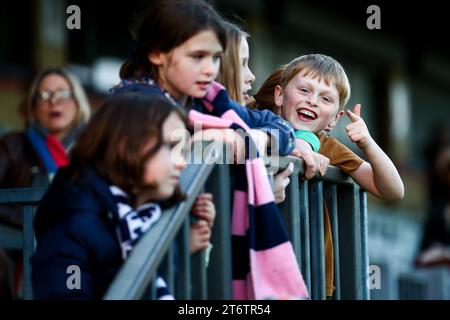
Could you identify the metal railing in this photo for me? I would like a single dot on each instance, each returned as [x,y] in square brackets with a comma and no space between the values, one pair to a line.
[304,217]
[28,198]
[165,249]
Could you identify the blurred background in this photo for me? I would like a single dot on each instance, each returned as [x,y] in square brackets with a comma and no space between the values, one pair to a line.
[399,73]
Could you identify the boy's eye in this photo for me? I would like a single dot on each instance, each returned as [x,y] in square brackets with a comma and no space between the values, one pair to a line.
[305,90]
[327,99]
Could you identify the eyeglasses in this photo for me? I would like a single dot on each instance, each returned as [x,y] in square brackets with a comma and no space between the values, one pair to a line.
[62,95]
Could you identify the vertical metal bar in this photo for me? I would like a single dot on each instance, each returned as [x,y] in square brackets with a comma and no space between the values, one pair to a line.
[166,269]
[28,250]
[305,252]
[169,269]
[331,197]
[365,295]
[198,276]
[271,181]
[220,263]
[183,273]
[153,288]
[350,242]
[317,240]
[290,210]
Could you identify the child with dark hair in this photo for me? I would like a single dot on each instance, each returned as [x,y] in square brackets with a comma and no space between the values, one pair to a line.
[178,49]
[124,170]
[179,45]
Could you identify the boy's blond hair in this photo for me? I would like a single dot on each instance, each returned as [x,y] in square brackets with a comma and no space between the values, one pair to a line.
[322,67]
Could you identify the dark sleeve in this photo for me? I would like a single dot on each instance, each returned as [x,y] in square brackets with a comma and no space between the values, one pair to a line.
[60,268]
[5,161]
[283,138]
[16,161]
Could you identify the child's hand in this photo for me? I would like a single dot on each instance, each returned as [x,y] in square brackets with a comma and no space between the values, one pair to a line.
[314,162]
[204,209]
[301,145]
[199,235]
[281,181]
[357,129]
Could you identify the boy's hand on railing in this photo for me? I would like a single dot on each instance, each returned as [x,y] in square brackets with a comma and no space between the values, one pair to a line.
[357,130]
[204,208]
[314,162]
[281,181]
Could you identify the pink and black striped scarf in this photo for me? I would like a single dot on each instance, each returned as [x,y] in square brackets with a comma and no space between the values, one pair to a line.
[264,263]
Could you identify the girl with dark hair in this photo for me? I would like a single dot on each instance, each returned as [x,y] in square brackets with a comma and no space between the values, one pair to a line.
[124,170]
[179,44]
[178,49]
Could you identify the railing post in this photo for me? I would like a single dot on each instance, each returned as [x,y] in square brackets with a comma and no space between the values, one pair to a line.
[317,240]
[305,253]
[364,245]
[220,264]
[350,242]
[28,198]
[290,210]
[331,201]
[167,269]
[28,250]
[153,289]
[183,276]
[198,276]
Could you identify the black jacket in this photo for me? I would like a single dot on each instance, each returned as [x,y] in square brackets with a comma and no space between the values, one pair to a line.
[74,230]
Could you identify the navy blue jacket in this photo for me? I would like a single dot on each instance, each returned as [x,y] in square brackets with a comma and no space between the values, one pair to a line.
[73,229]
[264,120]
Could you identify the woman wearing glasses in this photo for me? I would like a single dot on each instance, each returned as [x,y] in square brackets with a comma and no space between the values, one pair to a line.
[55,110]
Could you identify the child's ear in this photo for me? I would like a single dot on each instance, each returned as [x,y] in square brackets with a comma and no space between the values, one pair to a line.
[156,58]
[278,96]
[333,123]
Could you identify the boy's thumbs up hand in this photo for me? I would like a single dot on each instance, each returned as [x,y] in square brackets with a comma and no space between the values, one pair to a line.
[356,114]
[357,130]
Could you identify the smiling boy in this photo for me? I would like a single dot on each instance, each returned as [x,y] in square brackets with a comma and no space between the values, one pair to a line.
[312,95]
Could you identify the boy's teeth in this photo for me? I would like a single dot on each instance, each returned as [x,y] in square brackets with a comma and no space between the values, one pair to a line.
[308,113]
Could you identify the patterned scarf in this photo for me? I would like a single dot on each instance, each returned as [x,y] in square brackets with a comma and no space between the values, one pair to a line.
[132,224]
